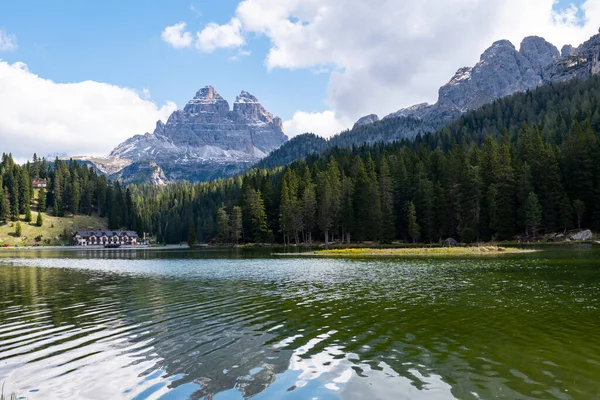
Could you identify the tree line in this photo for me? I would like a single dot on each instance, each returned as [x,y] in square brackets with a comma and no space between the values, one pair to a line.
[509,186]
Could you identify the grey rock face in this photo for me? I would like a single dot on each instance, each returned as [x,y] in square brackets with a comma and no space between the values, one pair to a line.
[450,242]
[208,133]
[539,52]
[142,172]
[580,63]
[567,50]
[502,71]
[583,235]
[367,119]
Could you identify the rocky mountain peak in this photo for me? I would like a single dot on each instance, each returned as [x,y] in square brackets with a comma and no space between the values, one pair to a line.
[205,140]
[567,50]
[367,119]
[248,108]
[245,97]
[498,49]
[207,93]
[462,74]
[160,128]
[207,101]
[539,52]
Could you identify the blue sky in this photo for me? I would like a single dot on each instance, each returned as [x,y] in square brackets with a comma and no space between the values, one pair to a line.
[318,65]
[119,42]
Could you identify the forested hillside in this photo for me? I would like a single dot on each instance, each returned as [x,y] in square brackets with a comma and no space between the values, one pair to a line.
[72,188]
[487,176]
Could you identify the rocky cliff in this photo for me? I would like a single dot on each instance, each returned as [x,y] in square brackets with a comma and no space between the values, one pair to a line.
[501,71]
[207,139]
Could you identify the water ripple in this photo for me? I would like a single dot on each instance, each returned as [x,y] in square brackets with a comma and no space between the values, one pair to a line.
[268,328]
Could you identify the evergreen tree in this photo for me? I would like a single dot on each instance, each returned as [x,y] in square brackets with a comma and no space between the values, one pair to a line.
[4,205]
[191,233]
[28,217]
[39,221]
[579,209]
[413,227]
[388,218]
[223,226]
[236,225]
[533,214]
[347,208]
[14,203]
[258,216]
[18,231]
[565,217]
[309,208]
[42,200]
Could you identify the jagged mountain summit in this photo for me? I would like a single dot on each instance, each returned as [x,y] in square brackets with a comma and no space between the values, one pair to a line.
[207,139]
[501,71]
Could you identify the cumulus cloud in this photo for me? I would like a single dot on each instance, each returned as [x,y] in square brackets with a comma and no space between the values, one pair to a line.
[385,55]
[85,118]
[215,36]
[324,124]
[8,42]
[177,36]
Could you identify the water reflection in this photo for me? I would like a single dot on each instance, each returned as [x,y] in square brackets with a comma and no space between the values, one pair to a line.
[201,327]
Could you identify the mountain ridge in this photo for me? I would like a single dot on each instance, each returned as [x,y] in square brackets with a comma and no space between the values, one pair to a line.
[208,139]
[501,71]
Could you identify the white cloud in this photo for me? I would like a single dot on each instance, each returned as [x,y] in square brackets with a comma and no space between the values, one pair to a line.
[215,36]
[321,123]
[85,118]
[177,36]
[8,42]
[384,55]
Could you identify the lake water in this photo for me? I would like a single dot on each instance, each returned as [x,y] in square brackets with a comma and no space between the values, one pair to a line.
[208,325]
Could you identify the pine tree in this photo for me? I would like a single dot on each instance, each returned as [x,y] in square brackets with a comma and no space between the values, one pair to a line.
[289,210]
[329,195]
[191,233]
[309,208]
[40,221]
[258,216]
[347,208]
[42,200]
[579,209]
[414,230]
[533,214]
[223,227]
[18,229]
[4,205]
[388,218]
[236,225]
[28,217]
[565,217]
[14,203]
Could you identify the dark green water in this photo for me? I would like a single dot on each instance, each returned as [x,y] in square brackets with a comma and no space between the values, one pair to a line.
[176,325]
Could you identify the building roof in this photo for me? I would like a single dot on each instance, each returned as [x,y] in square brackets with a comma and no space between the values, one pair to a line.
[87,234]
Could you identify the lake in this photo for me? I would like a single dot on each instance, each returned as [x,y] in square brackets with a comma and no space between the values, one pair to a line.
[212,325]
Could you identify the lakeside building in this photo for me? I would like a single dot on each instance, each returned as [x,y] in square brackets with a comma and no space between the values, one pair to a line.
[38,183]
[105,238]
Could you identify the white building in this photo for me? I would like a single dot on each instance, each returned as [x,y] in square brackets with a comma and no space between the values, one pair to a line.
[105,238]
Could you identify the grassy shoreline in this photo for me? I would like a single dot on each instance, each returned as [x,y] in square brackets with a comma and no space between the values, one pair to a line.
[421,251]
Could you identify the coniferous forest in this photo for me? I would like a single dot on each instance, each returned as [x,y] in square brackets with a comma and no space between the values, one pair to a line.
[519,167]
